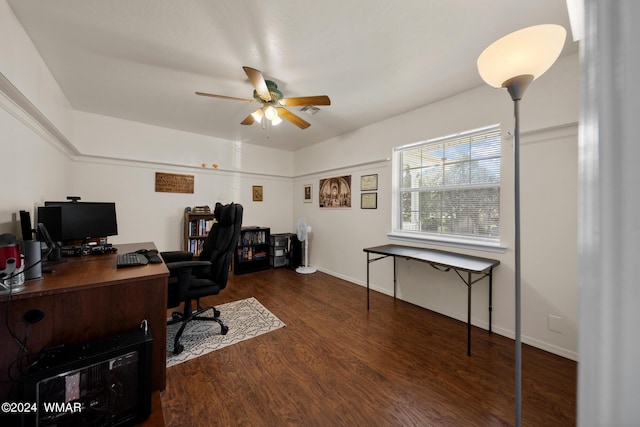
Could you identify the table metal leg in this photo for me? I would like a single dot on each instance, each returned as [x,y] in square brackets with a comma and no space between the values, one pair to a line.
[490,297]
[394,277]
[469,315]
[367,280]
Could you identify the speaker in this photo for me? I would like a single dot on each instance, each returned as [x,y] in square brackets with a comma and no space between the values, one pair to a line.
[25,225]
[32,256]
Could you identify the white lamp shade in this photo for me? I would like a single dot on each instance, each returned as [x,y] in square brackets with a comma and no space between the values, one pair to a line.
[276,121]
[270,112]
[530,51]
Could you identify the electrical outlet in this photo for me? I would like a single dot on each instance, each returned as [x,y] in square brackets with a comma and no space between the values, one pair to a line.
[555,323]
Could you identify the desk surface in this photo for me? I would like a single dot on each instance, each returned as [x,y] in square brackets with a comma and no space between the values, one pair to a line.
[457,261]
[78,273]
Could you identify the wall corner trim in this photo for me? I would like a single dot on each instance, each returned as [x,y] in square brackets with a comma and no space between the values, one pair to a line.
[18,105]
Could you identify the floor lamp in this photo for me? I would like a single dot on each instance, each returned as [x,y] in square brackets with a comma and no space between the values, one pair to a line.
[513,62]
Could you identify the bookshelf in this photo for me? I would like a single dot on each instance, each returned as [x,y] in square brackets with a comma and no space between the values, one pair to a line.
[196,230]
[252,253]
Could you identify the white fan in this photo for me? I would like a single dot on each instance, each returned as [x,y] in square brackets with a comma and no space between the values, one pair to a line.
[303,230]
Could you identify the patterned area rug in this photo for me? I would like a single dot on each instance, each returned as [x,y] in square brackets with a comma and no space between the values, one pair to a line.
[246,319]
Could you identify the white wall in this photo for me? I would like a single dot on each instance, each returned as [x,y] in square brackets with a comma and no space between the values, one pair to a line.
[21,64]
[549,208]
[145,215]
[34,165]
[31,171]
[549,115]
[120,159]
[108,137]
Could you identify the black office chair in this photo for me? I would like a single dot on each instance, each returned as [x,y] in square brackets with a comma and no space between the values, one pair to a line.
[191,280]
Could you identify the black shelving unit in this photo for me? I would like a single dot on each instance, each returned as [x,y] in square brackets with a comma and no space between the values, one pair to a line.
[252,253]
[196,230]
[280,248]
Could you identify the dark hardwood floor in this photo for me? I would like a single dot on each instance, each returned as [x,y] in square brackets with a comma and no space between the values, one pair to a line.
[337,364]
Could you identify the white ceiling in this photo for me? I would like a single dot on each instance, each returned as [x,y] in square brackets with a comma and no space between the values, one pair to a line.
[143,60]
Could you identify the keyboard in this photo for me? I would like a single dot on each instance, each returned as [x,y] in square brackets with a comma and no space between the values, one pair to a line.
[131,259]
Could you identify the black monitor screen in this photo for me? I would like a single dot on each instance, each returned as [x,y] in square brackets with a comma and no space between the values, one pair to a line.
[79,220]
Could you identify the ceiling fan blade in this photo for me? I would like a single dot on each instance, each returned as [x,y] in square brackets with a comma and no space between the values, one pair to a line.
[288,115]
[306,100]
[249,120]
[258,82]
[256,116]
[225,97]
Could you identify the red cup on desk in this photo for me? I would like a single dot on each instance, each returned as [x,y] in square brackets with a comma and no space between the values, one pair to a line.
[9,253]
[11,276]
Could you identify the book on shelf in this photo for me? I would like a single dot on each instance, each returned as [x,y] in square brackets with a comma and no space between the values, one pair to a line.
[259,255]
[195,246]
[201,209]
[253,238]
[200,227]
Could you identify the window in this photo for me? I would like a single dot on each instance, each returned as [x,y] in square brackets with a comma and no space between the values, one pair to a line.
[448,189]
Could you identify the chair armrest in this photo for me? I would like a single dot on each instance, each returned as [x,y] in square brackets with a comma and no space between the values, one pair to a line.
[182,272]
[179,265]
[175,256]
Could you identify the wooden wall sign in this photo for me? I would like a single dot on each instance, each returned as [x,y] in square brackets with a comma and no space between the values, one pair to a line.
[174,183]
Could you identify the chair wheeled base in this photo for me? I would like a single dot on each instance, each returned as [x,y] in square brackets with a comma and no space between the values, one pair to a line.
[189,315]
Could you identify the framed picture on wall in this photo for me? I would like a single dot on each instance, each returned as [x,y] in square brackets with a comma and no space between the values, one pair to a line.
[369,182]
[369,201]
[257,193]
[307,193]
[335,192]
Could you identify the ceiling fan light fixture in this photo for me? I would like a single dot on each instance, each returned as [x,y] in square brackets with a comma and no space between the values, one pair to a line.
[276,121]
[270,112]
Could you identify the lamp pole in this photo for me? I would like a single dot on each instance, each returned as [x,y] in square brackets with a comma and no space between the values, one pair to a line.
[513,62]
[516,87]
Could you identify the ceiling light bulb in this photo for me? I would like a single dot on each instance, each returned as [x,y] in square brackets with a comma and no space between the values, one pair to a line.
[276,121]
[270,112]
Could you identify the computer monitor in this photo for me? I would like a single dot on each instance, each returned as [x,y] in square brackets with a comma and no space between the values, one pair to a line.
[68,221]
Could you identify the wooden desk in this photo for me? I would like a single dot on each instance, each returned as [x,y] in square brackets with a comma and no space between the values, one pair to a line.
[88,298]
[441,261]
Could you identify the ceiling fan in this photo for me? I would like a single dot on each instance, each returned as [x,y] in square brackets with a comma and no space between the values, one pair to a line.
[273,101]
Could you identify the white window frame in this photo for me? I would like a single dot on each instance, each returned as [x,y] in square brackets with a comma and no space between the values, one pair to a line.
[441,238]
